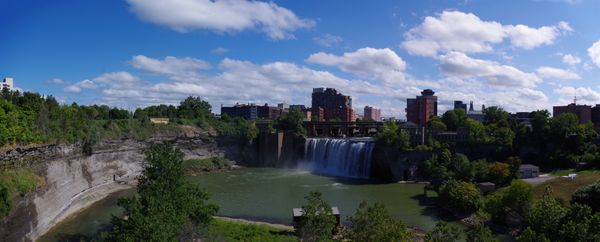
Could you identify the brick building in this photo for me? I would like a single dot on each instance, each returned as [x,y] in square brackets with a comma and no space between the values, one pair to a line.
[583,112]
[252,111]
[372,114]
[421,109]
[328,104]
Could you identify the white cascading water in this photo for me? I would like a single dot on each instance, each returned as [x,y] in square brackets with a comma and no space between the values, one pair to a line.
[339,157]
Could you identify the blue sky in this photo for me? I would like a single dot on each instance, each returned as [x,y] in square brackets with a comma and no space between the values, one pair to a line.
[521,55]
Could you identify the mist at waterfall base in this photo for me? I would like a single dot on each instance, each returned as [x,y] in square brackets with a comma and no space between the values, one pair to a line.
[349,158]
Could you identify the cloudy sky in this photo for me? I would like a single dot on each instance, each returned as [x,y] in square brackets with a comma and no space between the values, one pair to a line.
[521,54]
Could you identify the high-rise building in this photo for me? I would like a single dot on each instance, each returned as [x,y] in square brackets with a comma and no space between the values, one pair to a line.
[460,105]
[372,114]
[8,82]
[334,105]
[421,109]
[583,112]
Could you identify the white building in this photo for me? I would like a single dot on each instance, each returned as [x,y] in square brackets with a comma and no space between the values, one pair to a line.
[8,82]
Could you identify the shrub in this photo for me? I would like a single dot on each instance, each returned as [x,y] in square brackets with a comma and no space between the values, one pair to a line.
[318,222]
[5,201]
[513,199]
[480,233]
[374,223]
[462,197]
[588,195]
[443,232]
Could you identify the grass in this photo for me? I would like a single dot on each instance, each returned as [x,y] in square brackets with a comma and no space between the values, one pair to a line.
[233,231]
[195,166]
[563,188]
[14,183]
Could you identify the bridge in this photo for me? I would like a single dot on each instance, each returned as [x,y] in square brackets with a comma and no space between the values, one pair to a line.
[332,129]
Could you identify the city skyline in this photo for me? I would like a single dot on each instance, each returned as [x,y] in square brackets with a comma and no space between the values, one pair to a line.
[133,53]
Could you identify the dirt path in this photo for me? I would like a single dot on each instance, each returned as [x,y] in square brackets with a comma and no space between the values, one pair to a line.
[245,221]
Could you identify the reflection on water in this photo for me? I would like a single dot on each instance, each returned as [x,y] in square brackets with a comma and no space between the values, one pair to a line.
[269,195]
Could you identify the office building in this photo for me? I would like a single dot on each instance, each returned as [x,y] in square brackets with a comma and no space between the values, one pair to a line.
[372,114]
[460,105]
[8,83]
[329,105]
[421,109]
[583,112]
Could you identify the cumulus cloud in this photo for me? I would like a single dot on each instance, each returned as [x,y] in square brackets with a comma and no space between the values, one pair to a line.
[457,64]
[551,72]
[365,62]
[583,94]
[180,67]
[466,32]
[57,81]
[117,78]
[328,40]
[571,59]
[77,87]
[594,53]
[221,16]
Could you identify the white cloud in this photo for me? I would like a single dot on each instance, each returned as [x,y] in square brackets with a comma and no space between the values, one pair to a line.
[221,16]
[551,72]
[466,32]
[365,62]
[219,50]
[584,95]
[121,77]
[57,81]
[456,64]
[571,59]
[77,87]
[181,67]
[594,53]
[328,40]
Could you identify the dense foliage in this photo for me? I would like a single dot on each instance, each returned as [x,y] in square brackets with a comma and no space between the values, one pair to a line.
[443,232]
[318,222]
[392,136]
[480,233]
[512,201]
[234,232]
[588,195]
[463,197]
[374,223]
[291,121]
[165,202]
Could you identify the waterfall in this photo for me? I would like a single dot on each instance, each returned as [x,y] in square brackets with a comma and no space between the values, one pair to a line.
[339,157]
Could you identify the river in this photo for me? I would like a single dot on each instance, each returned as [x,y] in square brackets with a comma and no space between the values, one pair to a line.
[269,194]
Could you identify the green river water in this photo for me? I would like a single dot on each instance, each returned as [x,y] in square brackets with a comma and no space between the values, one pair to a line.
[267,194]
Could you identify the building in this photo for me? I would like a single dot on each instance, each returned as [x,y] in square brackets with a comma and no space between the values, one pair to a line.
[477,115]
[8,83]
[252,111]
[460,105]
[372,114]
[159,120]
[583,112]
[422,108]
[528,171]
[596,116]
[334,105]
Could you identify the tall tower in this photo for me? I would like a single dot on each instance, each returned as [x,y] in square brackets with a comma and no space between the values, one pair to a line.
[421,109]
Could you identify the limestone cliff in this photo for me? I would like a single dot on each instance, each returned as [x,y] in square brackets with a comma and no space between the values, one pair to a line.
[75,179]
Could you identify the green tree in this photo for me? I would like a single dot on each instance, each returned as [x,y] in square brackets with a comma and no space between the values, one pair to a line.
[291,121]
[443,232]
[588,195]
[462,197]
[391,135]
[480,233]
[193,108]
[513,200]
[374,223]
[318,221]
[165,202]
[5,200]
[546,215]
[528,235]
[450,119]
[477,134]
[437,124]
[499,173]
[496,115]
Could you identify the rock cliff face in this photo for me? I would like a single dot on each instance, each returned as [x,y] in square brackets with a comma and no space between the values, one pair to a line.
[75,179]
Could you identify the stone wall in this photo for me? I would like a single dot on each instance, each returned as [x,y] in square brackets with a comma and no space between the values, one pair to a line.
[74,180]
[392,165]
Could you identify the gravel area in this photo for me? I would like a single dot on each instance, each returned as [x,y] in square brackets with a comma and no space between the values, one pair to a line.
[540,179]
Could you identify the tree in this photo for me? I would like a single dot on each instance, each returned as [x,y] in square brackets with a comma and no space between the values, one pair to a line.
[529,235]
[546,215]
[499,173]
[437,124]
[477,133]
[463,197]
[450,119]
[588,195]
[462,167]
[193,108]
[318,221]
[291,121]
[5,201]
[496,115]
[165,201]
[480,233]
[512,200]
[443,232]
[374,223]
[391,135]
